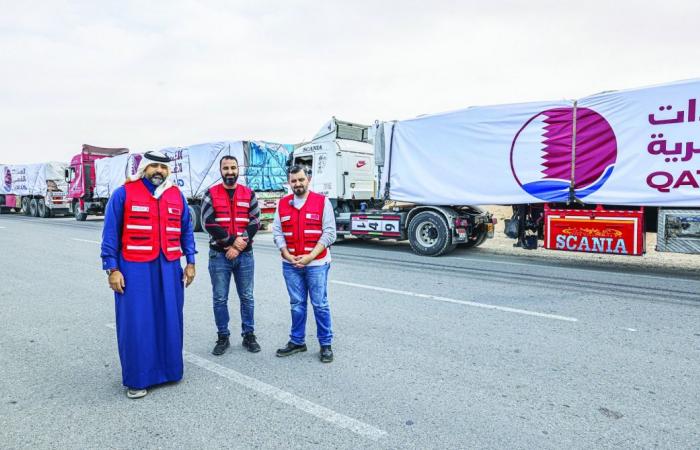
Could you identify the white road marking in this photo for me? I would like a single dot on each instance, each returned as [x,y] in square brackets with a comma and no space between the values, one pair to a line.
[285,397]
[459,302]
[288,398]
[629,329]
[3,227]
[86,240]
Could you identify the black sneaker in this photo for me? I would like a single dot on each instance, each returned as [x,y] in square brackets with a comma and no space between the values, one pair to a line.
[326,354]
[221,345]
[291,349]
[250,344]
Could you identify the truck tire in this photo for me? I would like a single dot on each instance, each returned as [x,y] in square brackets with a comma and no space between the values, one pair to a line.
[43,210]
[429,234]
[480,239]
[34,208]
[24,207]
[195,217]
[79,215]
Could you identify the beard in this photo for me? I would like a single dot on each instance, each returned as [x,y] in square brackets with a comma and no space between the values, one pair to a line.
[230,181]
[299,190]
[156,179]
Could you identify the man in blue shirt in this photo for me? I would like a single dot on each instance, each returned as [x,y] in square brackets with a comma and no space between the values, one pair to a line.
[147,230]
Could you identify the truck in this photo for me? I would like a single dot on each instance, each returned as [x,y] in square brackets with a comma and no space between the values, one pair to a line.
[195,169]
[36,190]
[345,163]
[81,179]
[586,175]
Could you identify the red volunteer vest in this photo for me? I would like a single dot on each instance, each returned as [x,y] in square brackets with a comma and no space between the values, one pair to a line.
[231,213]
[151,225]
[303,227]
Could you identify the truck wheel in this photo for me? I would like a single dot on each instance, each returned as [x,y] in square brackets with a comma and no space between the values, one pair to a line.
[79,215]
[480,239]
[33,208]
[24,208]
[195,217]
[429,234]
[43,210]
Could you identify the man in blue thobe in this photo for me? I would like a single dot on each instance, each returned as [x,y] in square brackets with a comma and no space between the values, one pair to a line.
[147,230]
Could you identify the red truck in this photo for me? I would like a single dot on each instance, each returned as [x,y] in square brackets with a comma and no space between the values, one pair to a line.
[80,177]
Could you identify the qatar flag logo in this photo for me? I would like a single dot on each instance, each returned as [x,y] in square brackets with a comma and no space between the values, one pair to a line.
[541,157]
[7,178]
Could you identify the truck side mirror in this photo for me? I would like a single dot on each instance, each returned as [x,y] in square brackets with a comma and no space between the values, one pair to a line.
[66,175]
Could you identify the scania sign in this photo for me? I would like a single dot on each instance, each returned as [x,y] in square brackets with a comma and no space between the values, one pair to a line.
[595,231]
[591,244]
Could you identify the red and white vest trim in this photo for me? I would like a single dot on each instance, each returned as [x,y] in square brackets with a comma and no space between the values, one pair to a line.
[231,213]
[151,225]
[302,228]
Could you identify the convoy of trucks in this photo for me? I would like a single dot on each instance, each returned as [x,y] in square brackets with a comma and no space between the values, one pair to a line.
[195,168]
[581,175]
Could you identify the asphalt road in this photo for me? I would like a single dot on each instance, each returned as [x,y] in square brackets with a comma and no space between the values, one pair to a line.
[469,350]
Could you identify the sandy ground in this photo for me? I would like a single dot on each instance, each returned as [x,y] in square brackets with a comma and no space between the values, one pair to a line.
[501,244]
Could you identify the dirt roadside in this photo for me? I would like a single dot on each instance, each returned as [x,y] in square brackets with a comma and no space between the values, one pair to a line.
[659,261]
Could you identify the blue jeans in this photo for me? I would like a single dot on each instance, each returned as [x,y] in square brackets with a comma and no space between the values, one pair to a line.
[220,270]
[312,283]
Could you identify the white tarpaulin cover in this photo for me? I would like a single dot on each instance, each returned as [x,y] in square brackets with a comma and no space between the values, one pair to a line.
[633,147]
[196,168]
[33,179]
[110,173]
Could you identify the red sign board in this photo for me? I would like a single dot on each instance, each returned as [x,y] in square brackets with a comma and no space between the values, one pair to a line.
[599,230]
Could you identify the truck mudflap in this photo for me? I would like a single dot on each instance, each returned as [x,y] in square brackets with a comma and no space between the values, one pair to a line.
[599,230]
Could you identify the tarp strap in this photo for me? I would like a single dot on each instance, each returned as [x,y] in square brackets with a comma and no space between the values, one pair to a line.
[572,185]
[387,188]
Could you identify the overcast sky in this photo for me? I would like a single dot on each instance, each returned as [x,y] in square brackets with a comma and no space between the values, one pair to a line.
[149,75]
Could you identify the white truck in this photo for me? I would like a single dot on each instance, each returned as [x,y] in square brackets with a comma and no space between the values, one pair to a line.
[37,190]
[344,168]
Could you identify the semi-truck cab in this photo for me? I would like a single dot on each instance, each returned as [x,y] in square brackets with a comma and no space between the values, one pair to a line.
[341,161]
[80,177]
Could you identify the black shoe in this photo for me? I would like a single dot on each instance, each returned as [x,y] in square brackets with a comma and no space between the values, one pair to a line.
[291,349]
[221,345]
[250,344]
[326,354]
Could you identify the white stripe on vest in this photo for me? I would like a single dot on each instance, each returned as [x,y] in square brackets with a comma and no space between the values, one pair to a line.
[139,227]
[139,247]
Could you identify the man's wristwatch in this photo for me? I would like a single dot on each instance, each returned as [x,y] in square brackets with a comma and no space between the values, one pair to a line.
[111,271]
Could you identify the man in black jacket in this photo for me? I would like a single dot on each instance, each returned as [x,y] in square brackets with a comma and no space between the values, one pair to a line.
[231,216]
